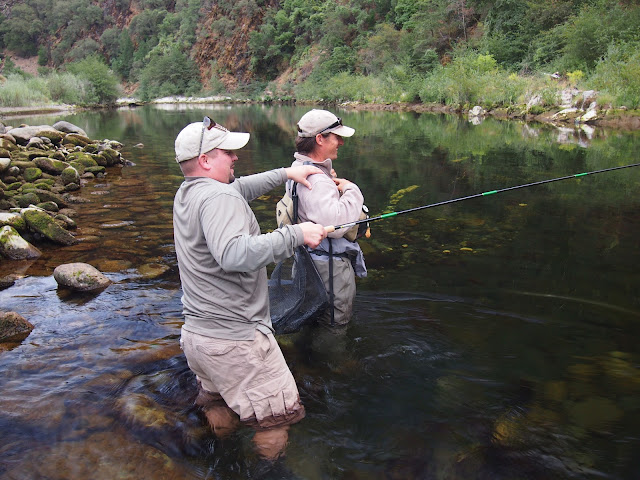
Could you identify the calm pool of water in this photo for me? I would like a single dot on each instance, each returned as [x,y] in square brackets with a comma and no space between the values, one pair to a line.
[494,337]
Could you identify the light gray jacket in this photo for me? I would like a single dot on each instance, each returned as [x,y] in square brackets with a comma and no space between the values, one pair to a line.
[222,254]
[325,205]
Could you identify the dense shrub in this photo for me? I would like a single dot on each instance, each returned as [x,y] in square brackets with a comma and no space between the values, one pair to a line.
[172,73]
[68,88]
[619,74]
[104,84]
[473,79]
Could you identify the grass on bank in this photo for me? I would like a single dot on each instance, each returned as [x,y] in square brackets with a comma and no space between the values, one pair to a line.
[469,79]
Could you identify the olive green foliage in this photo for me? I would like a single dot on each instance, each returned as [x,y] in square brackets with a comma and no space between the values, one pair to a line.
[68,88]
[618,74]
[172,73]
[22,30]
[17,91]
[54,87]
[472,79]
[104,85]
[369,50]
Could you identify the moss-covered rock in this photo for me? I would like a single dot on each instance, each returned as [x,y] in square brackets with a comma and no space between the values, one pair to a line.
[14,327]
[101,160]
[23,165]
[57,155]
[53,135]
[68,221]
[41,222]
[20,156]
[34,153]
[47,196]
[50,165]
[78,166]
[84,158]
[14,220]
[8,145]
[76,139]
[43,186]
[112,156]
[96,170]
[14,247]
[70,175]
[48,206]
[45,181]
[14,186]
[31,174]
[71,187]
[26,199]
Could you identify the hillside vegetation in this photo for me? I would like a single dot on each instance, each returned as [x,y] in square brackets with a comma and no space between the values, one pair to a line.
[493,53]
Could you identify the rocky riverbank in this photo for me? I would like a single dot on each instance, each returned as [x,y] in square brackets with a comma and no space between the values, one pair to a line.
[40,168]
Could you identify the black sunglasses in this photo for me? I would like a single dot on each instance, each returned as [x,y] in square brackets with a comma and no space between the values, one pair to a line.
[208,124]
[333,125]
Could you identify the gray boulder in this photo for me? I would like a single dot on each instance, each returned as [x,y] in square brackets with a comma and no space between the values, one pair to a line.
[80,276]
[24,134]
[67,127]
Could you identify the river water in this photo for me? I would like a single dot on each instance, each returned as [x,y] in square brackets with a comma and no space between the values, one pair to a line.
[494,338]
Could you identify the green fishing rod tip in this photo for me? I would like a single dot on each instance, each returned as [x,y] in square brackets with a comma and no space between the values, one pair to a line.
[581,174]
[490,192]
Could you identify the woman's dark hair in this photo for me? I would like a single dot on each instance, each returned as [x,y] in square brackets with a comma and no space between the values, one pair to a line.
[307,145]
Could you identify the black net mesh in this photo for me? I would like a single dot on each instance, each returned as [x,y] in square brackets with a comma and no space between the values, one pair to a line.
[296,293]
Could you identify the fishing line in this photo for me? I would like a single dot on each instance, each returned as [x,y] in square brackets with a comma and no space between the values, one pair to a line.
[477,195]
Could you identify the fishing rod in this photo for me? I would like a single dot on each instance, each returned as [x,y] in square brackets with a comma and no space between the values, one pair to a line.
[477,195]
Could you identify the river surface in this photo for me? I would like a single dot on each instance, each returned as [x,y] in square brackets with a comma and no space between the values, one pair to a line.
[494,337]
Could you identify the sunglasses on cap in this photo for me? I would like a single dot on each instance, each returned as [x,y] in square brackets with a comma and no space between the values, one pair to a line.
[208,124]
[333,125]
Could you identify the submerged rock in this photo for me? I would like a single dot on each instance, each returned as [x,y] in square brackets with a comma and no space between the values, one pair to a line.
[80,276]
[13,327]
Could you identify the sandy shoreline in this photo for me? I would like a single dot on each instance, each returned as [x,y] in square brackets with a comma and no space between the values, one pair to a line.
[8,112]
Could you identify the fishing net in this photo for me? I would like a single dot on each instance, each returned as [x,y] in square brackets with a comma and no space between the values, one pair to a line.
[296,293]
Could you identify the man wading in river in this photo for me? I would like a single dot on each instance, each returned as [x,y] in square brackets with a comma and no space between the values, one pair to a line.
[227,336]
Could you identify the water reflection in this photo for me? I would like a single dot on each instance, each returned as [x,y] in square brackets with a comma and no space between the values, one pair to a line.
[494,338]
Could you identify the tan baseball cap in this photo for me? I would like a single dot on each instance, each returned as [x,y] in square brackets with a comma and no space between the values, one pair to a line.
[202,137]
[322,121]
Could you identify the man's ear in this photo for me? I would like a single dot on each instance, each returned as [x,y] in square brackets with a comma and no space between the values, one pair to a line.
[204,162]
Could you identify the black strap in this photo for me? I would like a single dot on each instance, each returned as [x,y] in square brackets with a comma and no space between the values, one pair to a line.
[294,198]
[333,313]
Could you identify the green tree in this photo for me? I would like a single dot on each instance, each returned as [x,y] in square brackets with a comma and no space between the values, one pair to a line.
[82,49]
[104,83]
[22,30]
[123,61]
[172,73]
